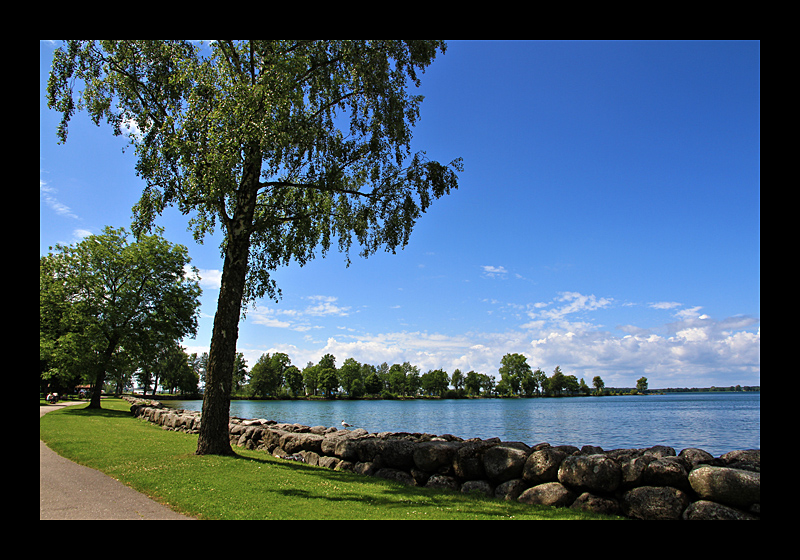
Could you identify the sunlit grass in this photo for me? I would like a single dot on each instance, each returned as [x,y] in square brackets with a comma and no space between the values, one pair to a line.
[252,485]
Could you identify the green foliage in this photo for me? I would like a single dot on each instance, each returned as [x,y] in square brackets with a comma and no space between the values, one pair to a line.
[291,143]
[514,370]
[435,382]
[107,303]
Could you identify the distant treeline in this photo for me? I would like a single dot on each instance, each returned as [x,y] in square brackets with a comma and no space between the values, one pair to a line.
[731,389]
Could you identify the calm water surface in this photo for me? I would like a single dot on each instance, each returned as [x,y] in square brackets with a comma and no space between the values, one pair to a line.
[716,422]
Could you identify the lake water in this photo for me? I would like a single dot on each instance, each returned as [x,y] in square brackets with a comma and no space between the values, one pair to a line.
[716,422]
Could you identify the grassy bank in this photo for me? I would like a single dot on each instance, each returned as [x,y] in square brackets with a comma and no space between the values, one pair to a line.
[253,485]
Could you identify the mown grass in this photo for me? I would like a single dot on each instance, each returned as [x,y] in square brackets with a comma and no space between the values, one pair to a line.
[252,485]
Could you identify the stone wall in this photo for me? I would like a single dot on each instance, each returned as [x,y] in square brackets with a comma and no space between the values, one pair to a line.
[649,483]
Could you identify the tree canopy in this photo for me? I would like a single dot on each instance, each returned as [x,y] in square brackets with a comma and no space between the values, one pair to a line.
[105,295]
[288,146]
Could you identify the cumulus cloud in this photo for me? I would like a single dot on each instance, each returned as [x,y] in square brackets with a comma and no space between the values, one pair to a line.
[210,278]
[689,349]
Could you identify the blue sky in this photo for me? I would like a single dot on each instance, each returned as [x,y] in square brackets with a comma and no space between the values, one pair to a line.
[607,220]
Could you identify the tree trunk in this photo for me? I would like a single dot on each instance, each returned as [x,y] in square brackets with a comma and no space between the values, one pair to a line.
[213,438]
[100,376]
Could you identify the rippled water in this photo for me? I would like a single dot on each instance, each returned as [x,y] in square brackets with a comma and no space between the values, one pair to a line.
[716,422]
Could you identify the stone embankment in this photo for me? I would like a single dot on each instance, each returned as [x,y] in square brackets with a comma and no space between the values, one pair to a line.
[649,483]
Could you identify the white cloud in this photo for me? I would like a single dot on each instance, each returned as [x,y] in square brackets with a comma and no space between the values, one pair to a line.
[693,351]
[573,302]
[297,319]
[325,305]
[665,305]
[494,271]
[267,318]
[690,358]
[210,278]
[690,313]
[47,194]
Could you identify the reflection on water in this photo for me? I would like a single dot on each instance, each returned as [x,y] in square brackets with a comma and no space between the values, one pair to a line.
[716,422]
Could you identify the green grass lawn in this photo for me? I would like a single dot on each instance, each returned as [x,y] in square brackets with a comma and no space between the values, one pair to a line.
[252,485]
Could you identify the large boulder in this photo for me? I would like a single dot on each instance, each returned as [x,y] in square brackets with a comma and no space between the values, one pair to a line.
[468,460]
[479,486]
[548,494]
[593,473]
[442,481]
[667,471]
[660,451]
[542,465]
[435,456]
[504,462]
[340,442]
[391,452]
[694,456]
[745,459]
[292,442]
[633,469]
[654,502]
[396,475]
[597,504]
[704,510]
[270,439]
[733,487]
[510,490]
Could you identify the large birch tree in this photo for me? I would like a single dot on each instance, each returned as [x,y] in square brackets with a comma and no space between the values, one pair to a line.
[289,147]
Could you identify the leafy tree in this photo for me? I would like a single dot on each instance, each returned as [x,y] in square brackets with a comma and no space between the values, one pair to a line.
[641,385]
[487,383]
[540,379]
[528,383]
[177,372]
[373,384]
[397,379]
[265,378]
[293,380]
[504,388]
[286,145]
[571,384]
[413,379]
[513,369]
[457,380]
[435,382]
[105,295]
[598,384]
[239,371]
[472,383]
[557,382]
[311,378]
[327,379]
[349,375]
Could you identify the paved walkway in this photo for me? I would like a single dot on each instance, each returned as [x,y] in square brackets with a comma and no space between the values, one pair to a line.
[68,490]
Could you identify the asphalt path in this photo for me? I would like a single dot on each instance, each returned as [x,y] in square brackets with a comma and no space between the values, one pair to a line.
[68,490]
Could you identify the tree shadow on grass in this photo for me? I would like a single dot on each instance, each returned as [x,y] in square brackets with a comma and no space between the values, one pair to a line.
[390,495]
[78,410]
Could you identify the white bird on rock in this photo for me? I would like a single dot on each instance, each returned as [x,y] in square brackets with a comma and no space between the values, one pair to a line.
[345,424]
